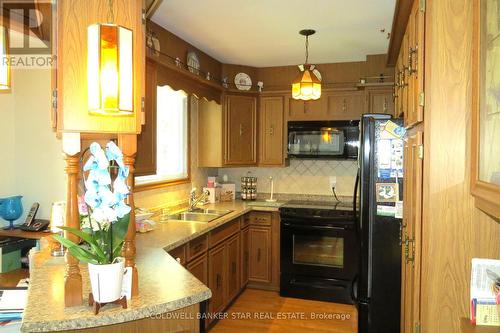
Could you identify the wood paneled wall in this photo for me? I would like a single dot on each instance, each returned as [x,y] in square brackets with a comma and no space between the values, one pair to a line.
[454,231]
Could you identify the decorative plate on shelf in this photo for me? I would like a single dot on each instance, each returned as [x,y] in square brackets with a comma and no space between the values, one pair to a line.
[193,63]
[243,81]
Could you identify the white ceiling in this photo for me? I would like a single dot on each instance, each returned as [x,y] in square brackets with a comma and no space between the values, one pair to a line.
[265,32]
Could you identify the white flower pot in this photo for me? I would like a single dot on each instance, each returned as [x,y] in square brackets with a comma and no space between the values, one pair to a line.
[106,280]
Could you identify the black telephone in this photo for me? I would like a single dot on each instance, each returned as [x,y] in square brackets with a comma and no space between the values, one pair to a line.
[30,224]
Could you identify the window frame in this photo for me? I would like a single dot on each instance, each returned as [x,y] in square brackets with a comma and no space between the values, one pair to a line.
[178,181]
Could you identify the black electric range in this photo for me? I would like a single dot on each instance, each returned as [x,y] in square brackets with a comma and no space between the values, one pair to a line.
[319,252]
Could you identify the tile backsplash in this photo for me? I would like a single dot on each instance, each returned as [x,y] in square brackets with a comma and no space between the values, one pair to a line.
[300,177]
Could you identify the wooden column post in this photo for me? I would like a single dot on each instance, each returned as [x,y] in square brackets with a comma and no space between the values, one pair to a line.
[128,145]
[72,278]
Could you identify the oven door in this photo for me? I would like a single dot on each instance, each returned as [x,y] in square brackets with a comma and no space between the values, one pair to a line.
[325,250]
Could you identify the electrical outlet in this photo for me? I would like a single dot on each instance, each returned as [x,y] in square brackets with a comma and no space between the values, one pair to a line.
[333,181]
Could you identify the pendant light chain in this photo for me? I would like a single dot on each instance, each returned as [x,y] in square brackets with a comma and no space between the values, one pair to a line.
[307,49]
[111,14]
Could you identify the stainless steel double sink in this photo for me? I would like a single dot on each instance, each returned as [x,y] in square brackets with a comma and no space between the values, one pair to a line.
[196,215]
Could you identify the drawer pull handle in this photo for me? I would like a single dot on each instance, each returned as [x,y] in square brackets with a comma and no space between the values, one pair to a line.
[198,247]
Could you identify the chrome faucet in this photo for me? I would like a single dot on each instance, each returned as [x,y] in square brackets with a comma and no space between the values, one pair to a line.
[193,201]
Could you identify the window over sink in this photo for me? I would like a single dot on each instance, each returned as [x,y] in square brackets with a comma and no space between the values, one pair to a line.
[171,139]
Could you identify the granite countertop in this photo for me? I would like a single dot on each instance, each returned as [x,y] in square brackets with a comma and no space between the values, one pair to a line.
[158,273]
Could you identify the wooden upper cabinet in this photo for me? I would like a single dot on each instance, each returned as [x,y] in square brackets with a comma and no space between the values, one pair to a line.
[345,105]
[485,159]
[380,101]
[413,57]
[271,129]
[307,110]
[73,18]
[240,130]
[145,161]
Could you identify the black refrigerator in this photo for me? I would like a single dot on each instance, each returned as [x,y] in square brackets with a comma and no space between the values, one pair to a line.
[380,184]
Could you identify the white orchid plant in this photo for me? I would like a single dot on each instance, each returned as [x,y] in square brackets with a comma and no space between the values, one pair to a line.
[106,223]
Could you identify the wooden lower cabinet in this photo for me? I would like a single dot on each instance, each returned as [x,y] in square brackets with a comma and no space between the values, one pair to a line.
[233,267]
[412,232]
[260,254]
[199,268]
[217,277]
[244,256]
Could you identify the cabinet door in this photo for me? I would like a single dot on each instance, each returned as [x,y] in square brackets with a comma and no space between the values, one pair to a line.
[199,268]
[241,127]
[345,106]
[411,233]
[260,254]
[271,131]
[244,257]
[217,278]
[296,109]
[233,268]
[415,70]
[380,101]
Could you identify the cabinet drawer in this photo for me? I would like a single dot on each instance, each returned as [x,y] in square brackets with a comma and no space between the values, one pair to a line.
[227,230]
[179,254]
[245,220]
[196,247]
[260,218]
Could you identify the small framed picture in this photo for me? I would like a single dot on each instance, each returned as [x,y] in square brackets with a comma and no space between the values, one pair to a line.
[387,192]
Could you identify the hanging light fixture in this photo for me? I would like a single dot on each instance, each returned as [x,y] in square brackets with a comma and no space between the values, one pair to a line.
[307,85]
[110,68]
[4,59]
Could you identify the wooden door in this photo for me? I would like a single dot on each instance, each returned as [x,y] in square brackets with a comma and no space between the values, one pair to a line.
[217,277]
[271,131]
[241,130]
[411,233]
[380,101]
[244,257]
[233,268]
[415,65]
[345,105]
[199,268]
[260,254]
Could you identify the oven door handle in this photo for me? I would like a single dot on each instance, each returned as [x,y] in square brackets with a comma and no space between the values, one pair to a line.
[314,227]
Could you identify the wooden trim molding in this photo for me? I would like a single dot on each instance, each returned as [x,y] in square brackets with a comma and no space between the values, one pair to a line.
[128,145]
[487,195]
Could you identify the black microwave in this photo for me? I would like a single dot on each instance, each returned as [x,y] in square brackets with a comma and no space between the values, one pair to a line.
[323,139]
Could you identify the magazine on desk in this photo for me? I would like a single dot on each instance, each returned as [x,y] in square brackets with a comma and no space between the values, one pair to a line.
[485,292]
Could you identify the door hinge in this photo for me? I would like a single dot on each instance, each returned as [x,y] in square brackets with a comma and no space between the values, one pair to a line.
[54,99]
[417,327]
[421,99]
[143,112]
[420,151]
[422,6]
